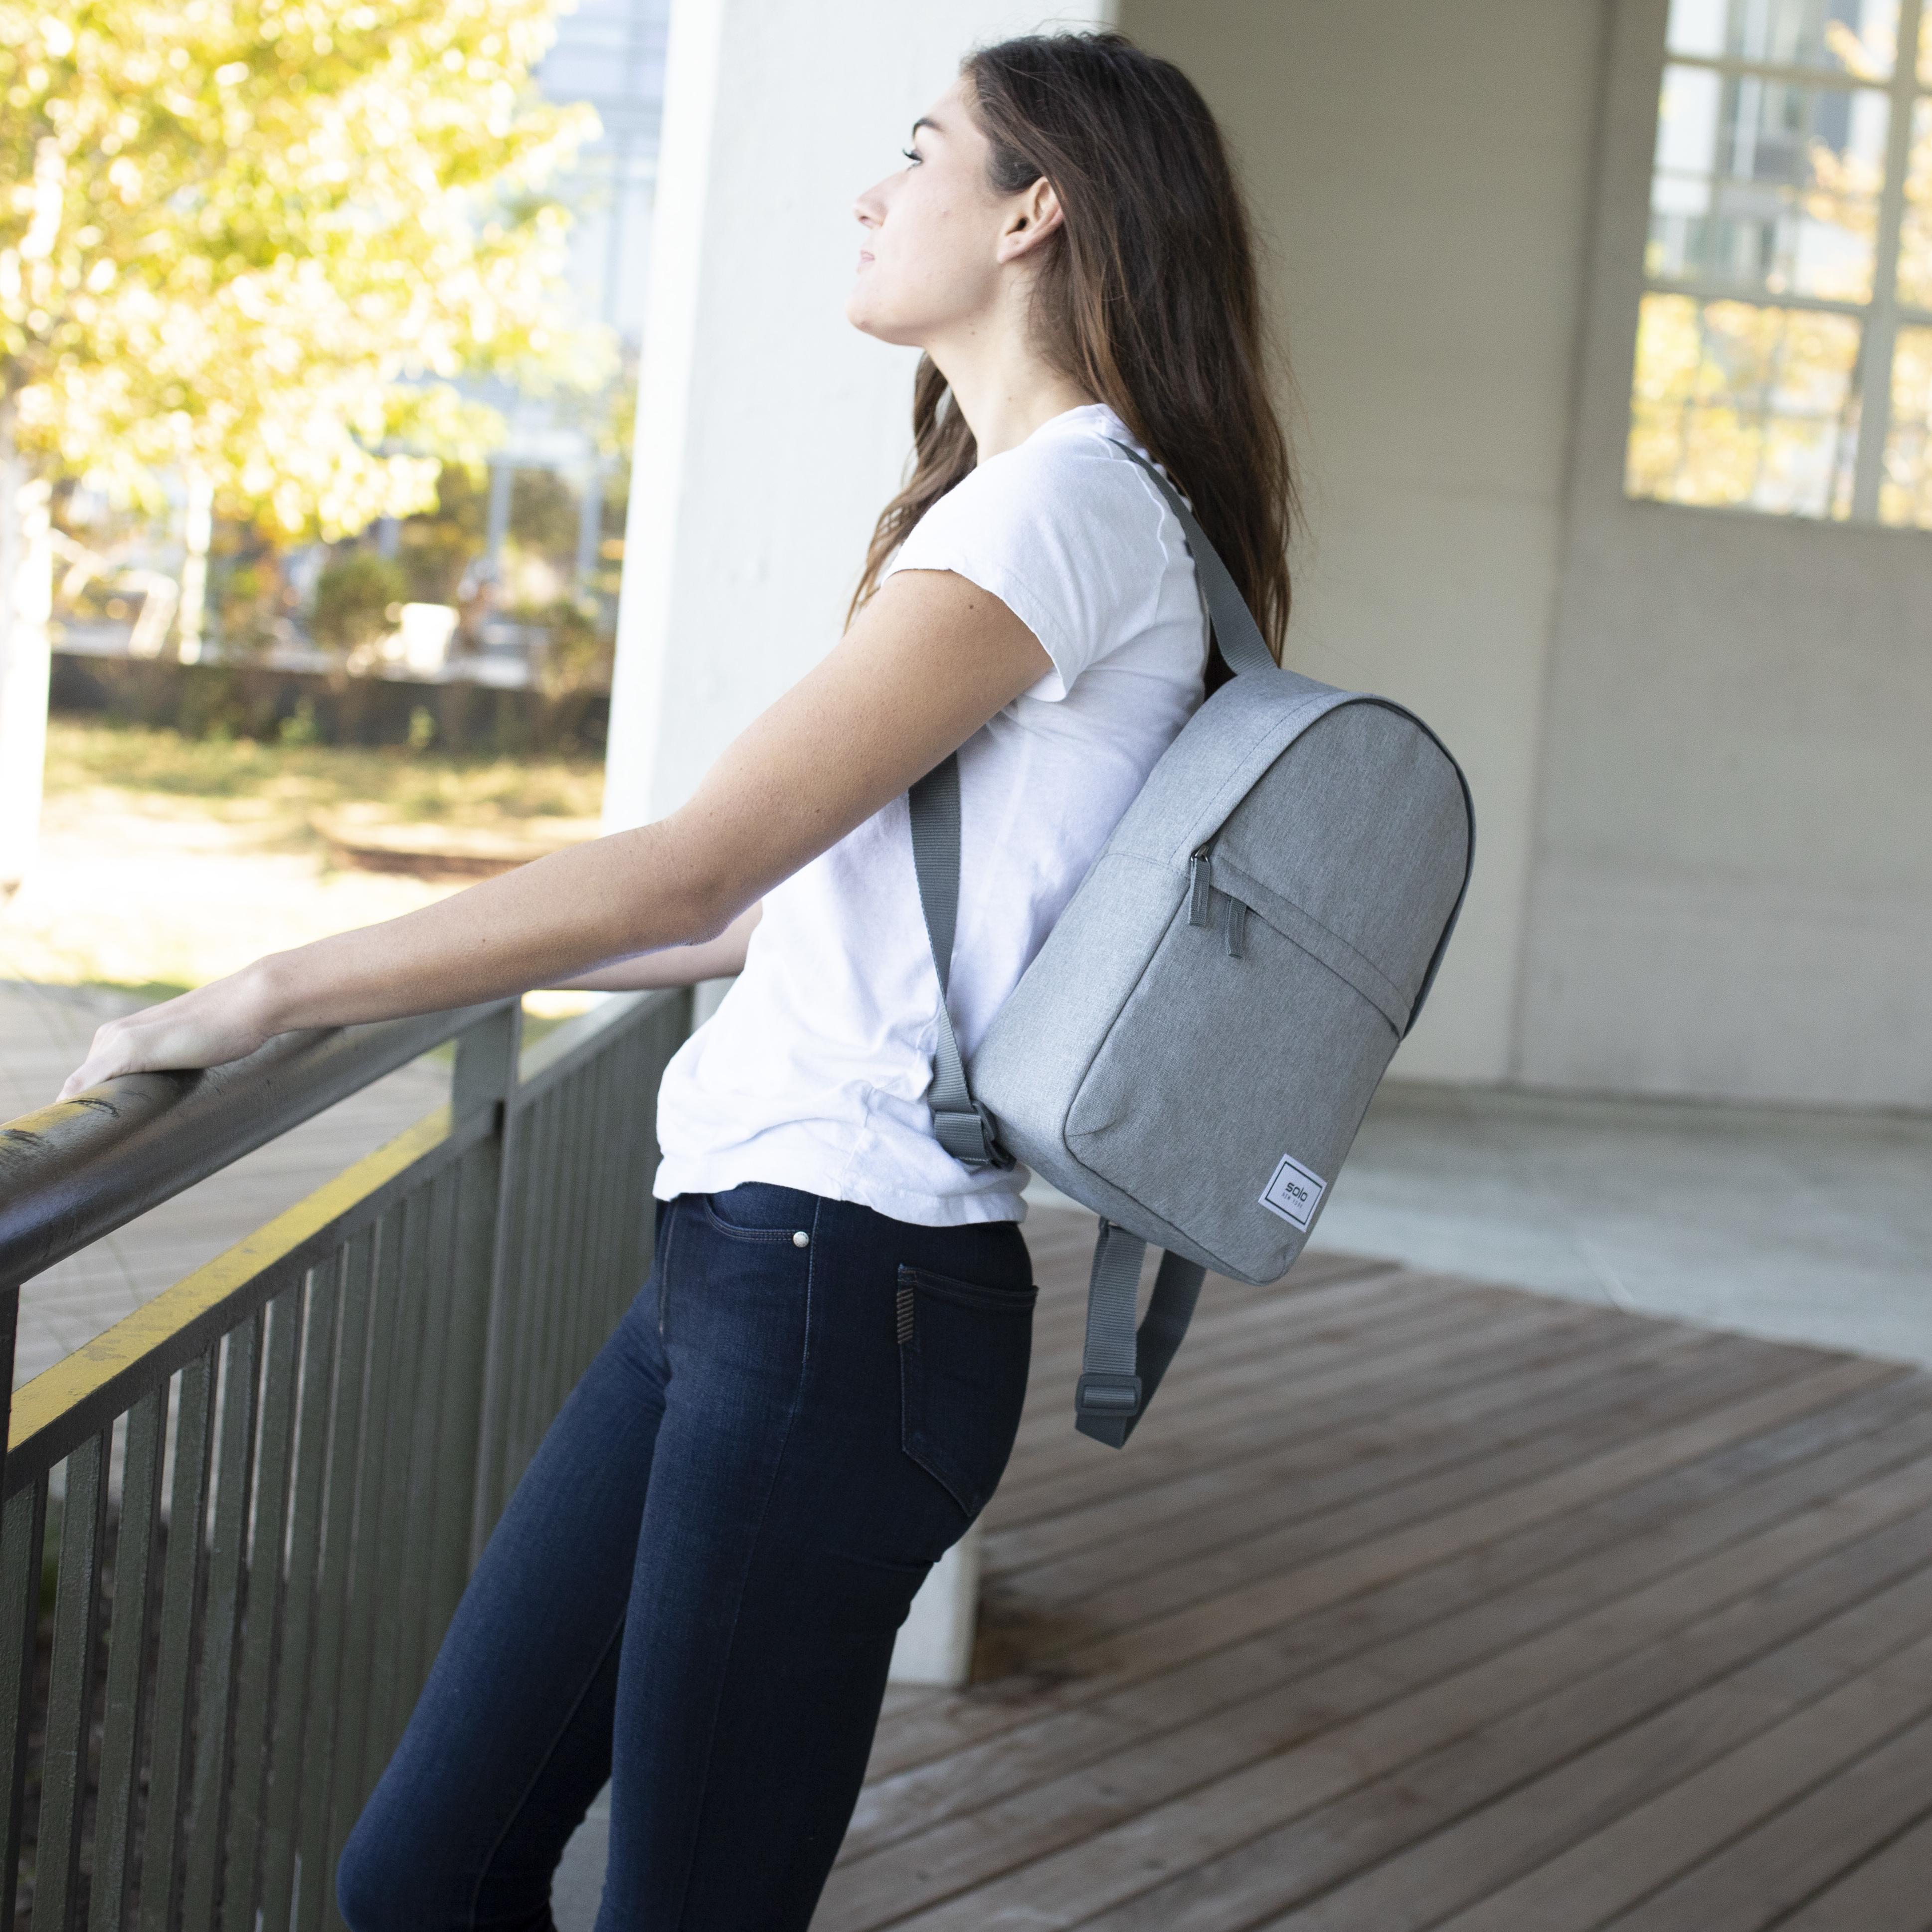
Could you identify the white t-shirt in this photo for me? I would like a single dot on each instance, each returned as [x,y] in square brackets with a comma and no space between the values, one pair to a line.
[814,1070]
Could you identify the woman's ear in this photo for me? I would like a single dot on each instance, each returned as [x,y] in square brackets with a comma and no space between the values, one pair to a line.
[1036,214]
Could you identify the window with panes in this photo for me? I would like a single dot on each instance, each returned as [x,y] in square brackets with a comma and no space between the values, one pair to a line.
[1784,343]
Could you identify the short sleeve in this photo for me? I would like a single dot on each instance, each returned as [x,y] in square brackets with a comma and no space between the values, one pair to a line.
[1067,533]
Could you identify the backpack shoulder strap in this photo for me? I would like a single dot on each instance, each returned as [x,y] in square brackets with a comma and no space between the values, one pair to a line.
[964,1129]
[1243,647]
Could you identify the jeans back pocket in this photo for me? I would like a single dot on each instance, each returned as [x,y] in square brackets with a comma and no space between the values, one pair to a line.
[963,1350]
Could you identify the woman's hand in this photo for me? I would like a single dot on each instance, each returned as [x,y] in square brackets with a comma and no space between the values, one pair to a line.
[224,1020]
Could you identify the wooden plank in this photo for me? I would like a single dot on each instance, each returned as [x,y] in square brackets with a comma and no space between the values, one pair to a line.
[1673,1390]
[1859,1474]
[1059,1315]
[1372,1293]
[1891,1891]
[1278,1600]
[1357,1453]
[1785,1860]
[1063,1472]
[1372,1304]
[1210,1791]
[1591,1751]
[1674,1830]
[1116,1658]
[1269,1367]
[1271,1599]
[1170,1564]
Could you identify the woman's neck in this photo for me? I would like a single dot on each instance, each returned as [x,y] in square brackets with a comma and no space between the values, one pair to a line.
[1004,389]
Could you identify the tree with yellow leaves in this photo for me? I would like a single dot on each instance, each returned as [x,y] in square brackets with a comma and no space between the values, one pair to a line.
[249,245]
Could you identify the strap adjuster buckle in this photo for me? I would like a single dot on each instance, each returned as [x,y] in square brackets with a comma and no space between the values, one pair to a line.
[1105,1395]
[971,1137]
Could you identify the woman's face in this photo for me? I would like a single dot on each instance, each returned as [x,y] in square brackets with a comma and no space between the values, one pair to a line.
[936,236]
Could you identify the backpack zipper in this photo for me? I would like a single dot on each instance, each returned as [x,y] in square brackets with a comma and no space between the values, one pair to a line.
[1201,887]
[1238,928]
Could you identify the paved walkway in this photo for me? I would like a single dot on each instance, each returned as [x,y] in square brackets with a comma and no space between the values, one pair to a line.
[1799,1224]
[44,1032]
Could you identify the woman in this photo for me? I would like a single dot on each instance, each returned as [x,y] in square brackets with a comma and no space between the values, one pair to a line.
[695,1588]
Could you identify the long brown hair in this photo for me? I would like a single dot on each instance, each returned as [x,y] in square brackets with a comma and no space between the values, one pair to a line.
[1148,297]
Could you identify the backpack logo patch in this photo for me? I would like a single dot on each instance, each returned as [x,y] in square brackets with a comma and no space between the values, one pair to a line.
[1294,1193]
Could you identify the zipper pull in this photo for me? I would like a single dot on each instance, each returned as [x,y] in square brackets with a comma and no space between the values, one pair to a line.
[1238,928]
[1201,888]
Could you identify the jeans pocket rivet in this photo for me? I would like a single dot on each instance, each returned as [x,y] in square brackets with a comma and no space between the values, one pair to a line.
[801,1239]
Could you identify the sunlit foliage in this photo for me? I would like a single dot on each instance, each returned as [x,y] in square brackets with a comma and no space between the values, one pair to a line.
[259,238]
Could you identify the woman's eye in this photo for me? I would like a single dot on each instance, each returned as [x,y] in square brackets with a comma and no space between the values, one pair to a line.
[912,155]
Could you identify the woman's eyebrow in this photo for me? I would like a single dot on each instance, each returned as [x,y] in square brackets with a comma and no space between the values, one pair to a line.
[926,121]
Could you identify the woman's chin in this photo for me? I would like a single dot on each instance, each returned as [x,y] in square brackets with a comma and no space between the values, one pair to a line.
[866,317]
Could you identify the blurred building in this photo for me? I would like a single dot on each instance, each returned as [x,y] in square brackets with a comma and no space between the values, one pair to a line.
[610,54]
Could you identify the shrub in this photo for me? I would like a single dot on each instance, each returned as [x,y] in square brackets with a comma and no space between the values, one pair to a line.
[354,597]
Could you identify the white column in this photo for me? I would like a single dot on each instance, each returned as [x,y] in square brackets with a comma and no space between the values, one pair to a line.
[770,433]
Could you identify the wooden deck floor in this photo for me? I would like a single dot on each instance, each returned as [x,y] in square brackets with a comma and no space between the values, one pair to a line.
[1422,1603]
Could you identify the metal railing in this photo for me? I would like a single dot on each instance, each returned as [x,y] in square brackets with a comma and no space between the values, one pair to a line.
[236,1524]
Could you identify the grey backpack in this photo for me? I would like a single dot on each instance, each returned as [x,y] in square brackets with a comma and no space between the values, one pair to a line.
[1191,1051]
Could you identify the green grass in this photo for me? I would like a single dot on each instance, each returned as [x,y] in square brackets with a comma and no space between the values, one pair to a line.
[239,778]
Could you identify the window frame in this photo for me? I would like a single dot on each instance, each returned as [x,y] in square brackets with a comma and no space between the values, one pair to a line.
[1879,318]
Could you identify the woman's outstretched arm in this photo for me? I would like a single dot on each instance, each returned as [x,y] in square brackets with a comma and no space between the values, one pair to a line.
[720,959]
[930,658]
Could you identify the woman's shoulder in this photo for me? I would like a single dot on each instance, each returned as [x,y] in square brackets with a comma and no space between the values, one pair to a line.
[1074,477]
[1089,444]
[1076,539]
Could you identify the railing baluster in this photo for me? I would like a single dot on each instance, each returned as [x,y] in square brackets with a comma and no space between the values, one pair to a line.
[497,1425]
[459,1447]
[601,1291]
[323,1802]
[129,1687]
[566,1283]
[214,1722]
[428,1388]
[587,1301]
[263,1607]
[632,1181]
[71,1685]
[181,1621]
[512,1395]
[539,1283]
[23,1536]
[408,1292]
[283,1760]
[489,1075]
[374,1478]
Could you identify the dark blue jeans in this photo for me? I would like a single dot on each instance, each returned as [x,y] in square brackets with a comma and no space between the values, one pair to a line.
[695,1590]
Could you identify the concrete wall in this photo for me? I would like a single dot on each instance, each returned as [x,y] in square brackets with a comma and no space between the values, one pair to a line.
[1733,886]
[770,433]
[1421,171]
[1700,741]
